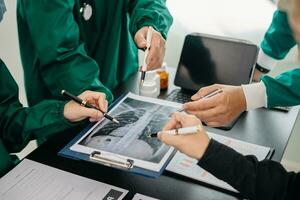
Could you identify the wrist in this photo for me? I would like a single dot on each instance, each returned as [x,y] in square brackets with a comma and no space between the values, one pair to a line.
[204,143]
[242,99]
[261,69]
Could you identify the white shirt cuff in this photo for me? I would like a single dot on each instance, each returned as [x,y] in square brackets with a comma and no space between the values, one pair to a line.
[266,61]
[256,95]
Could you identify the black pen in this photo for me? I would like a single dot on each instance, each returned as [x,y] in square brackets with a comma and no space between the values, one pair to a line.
[211,94]
[87,105]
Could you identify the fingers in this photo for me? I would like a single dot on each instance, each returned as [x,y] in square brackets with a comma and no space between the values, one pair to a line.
[140,38]
[102,102]
[210,114]
[203,104]
[171,140]
[172,123]
[93,114]
[179,120]
[97,99]
[204,91]
[157,51]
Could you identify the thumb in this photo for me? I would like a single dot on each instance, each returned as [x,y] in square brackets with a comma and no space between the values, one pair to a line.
[204,91]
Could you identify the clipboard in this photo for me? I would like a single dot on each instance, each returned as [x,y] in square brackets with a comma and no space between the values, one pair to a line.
[112,160]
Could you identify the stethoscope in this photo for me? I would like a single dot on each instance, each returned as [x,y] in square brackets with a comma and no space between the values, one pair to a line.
[86,11]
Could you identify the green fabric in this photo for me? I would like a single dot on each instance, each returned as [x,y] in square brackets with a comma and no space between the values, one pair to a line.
[19,125]
[278,39]
[60,50]
[283,90]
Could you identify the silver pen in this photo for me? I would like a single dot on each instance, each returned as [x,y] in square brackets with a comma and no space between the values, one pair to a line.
[148,45]
[211,94]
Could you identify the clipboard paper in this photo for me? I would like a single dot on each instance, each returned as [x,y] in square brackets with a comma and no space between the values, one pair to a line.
[126,145]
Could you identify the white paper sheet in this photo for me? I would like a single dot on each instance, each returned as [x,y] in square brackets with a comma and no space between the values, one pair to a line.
[142,197]
[186,166]
[34,181]
[137,115]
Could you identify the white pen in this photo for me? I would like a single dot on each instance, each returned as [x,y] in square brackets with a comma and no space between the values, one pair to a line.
[213,93]
[148,45]
[180,131]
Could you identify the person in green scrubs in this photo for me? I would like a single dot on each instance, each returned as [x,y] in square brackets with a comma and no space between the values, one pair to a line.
[86,44]
[283,90]
[19,125]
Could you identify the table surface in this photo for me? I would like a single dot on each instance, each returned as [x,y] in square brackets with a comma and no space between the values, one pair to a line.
[261,126]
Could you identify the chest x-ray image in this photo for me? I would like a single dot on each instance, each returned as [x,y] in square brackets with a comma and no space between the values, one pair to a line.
[130,137]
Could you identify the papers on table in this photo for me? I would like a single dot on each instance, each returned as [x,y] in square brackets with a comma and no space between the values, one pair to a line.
[186,166]
[34,181]
[142,197]
[129,141]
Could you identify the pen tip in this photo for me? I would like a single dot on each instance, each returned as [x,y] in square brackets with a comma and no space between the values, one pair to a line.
[63,91]
[116,121]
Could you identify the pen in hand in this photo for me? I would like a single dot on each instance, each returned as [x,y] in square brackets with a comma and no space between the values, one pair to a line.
[211,94]
[148,44]
[180,131]
[87,105]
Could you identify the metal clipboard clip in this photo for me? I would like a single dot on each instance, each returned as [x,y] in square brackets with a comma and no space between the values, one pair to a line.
[111,161]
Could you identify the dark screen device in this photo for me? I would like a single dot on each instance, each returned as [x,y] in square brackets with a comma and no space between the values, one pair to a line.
[208,59]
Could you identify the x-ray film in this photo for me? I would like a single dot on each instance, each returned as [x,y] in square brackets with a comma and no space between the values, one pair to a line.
[138,116]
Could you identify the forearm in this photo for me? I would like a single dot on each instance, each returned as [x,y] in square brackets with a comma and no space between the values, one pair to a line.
[20,125]
[150,13]
[277,42]
[253,179]
[283,90]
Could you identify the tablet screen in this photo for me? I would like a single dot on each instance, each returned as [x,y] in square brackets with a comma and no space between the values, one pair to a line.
[207,60]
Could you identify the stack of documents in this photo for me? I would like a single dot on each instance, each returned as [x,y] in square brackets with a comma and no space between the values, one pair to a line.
[186,166]
[34,181]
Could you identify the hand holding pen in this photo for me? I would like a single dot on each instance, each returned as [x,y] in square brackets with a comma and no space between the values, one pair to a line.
[206,96]
[193,141]
[179,131]
[87,104]
[148,45]
[148,38]
[219,109]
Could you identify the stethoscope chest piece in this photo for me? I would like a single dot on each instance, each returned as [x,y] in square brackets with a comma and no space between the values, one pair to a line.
[86,11]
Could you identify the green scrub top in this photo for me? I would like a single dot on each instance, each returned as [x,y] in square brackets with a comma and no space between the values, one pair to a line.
[19,125]
[283,90]
[62,50]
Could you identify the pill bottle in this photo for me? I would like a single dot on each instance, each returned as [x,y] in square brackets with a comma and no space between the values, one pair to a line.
[164,77]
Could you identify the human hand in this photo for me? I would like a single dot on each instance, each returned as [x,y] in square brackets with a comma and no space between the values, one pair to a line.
[157,48]
[193,145]
[220,109]
[256,76]
[75,112]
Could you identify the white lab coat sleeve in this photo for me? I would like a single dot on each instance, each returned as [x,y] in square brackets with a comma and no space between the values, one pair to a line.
[255,94]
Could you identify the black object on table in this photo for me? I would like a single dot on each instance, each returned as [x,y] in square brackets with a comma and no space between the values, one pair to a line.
[261,126]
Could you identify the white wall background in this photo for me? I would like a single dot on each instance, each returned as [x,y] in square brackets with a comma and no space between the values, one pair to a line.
[244,19]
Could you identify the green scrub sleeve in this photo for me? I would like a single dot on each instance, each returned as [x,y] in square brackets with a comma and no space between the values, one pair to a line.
[150,13]
[278,39]
[64,63]
[19,125]
[283,90]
